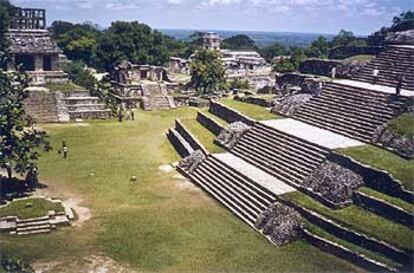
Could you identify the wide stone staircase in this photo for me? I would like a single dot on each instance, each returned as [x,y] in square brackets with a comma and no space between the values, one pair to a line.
[81,104]
[34,226]
[351,111]
[238,193]
[391,63]
[155,97]
[286,157]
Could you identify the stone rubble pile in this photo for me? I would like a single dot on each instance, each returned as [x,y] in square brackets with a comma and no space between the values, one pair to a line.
[289,104]
[334,182]
[190,163]
[281,223]
[230,136]
[403,145]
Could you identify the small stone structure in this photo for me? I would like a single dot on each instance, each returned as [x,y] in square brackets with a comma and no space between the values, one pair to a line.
[142,85]
[288,105]
[45,224]
[334,182]
[281,223]
[230,136]
[190,163]
[34,48]
[402,145]
[178,65]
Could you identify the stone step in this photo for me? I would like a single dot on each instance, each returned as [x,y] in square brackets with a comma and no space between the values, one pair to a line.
[32,223]
[255,189]
[27,220]
[328,126]
[310,148]
[277,154]
[345,118]
[359,93]
[33,228]
[224,199]
[226,183]
[31,232]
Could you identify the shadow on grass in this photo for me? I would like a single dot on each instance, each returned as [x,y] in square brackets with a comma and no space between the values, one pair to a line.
[16,188]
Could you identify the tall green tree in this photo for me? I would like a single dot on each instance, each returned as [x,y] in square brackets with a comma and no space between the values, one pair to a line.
[239,42]
[347,38]
[318,48]
[274,50]
[207,71]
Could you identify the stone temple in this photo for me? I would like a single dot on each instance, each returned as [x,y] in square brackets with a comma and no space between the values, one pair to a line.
[33,48]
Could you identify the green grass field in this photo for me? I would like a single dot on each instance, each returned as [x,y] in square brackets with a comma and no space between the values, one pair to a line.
[159,223]
[403,125]
[39,207]
[402,169]
[251,110]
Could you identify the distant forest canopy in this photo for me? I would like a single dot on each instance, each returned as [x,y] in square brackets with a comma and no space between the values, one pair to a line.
[139,43]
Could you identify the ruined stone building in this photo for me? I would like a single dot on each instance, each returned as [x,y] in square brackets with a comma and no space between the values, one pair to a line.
[144,86]
[211,41]
[33,47]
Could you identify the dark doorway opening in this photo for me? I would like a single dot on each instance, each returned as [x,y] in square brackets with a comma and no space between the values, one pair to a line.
[25,61]
[143,74]
[47,63]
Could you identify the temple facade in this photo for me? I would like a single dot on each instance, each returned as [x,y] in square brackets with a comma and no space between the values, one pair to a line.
[33,48]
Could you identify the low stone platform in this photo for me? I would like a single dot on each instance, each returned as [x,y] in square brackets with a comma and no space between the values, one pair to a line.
[260,177]
[321,137]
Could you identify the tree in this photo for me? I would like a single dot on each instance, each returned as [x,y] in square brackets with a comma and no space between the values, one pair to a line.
[239,42]
[20,141]
[347,38]
[318,49]
[274,50]
[290,64]
[79,75]
[207,71]
[132,41]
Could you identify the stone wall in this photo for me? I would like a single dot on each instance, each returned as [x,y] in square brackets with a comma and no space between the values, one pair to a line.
[209,123]
[344,253]
[42,106]
[379,180]
[254,100]
[344,52]
[228,114]
[318,66]
[182,148]
[185,133]
[356,238]
[384,209]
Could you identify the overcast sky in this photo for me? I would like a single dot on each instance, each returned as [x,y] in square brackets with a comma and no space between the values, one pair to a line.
[319,16]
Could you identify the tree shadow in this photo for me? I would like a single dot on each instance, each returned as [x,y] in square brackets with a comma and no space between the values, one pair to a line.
[16,188]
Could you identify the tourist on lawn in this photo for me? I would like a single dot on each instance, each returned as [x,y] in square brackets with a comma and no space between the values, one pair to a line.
[375,74]
[399,86]
[128,115]
[132,115]
[32,177]
[65,152]
[8,168]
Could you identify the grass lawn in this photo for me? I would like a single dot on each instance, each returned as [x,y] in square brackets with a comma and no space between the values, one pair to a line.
[202,134]
[70,86]
[159,223]
[362,57]
[360,220]
[402,169]
[403,125]
[251,110]
[39,208]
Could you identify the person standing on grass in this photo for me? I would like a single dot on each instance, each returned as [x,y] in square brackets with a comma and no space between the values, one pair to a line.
[65,152]
[375,74]
[8,168]
[132,115]
[120,115]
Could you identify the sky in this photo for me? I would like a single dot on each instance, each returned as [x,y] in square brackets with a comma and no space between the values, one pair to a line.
[315,16]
